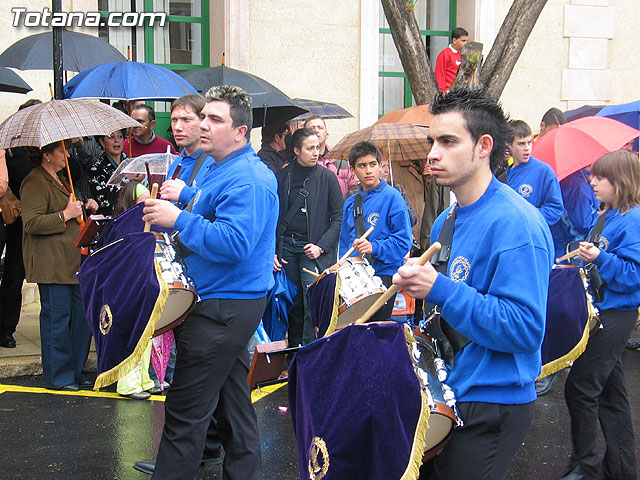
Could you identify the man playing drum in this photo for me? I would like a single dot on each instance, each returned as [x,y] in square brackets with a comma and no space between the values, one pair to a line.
[231,231]
[495,289]
[380,205]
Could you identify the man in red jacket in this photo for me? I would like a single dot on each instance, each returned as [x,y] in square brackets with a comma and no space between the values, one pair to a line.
[449,59]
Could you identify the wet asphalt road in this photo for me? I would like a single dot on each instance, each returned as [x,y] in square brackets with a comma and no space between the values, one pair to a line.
[62,436]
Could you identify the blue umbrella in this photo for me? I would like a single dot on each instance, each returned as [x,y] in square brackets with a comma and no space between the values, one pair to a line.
[280,299]
[128,81]
[627,113]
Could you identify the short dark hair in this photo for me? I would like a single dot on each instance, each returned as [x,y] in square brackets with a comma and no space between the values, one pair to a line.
[362,149]
[315,117]
[483,116]
[194,100]
[520,129]
[554,116]
[29,103]
[299,135]
[459,32]
[269,132]
[150,112]
[34,154]
[239,104]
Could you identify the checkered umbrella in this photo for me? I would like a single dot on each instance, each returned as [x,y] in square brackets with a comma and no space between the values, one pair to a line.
[49,122]
[398,141]
[324,109]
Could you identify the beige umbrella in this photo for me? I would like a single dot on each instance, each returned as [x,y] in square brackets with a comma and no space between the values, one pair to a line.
[397,140]
[49,122]
[59,120]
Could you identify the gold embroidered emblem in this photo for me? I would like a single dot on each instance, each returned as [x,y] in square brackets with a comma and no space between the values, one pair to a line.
[373,218]
[106,319]
[603,244]
[459,269]
[318,459]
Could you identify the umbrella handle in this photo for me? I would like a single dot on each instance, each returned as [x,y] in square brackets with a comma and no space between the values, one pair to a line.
[79,219]
[154,195]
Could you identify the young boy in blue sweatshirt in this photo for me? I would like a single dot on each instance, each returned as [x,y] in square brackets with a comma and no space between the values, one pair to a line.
[385,209]
[534,180]
[495,289]
[231,233]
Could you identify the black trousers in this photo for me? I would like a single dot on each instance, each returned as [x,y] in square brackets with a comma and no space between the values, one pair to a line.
[210,380]
[596,392]
[484,448]
[12,279]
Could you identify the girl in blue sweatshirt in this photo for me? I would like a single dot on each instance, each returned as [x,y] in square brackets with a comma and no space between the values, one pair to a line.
[595,388]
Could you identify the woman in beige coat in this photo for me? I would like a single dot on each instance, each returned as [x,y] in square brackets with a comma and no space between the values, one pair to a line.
[51,260]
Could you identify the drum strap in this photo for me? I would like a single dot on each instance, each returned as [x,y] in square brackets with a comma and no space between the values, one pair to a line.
[358,218]
[440,262]
[196,168]
[596,283]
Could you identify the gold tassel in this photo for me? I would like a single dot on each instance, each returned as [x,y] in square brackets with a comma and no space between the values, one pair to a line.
[566,360]
[412,471]
[336,305]
[129,363]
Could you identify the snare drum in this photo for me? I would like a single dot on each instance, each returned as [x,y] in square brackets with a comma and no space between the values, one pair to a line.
[432,373]
[182,293]
[359,289]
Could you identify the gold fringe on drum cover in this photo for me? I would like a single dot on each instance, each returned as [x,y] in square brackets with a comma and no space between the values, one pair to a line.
[420,437]
[113,375]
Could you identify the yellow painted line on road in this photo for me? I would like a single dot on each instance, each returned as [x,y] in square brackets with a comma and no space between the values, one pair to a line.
[256,394]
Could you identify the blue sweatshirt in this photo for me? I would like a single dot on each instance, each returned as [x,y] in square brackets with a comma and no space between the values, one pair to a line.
[581,205]
[391,238]
[232,228]
[496,295]
[188,162]
[619,260]
[537,183]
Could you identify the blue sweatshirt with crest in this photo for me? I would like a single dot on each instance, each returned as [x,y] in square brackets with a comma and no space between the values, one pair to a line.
[232,228]
[391,238]
[495,294]
[619,260]
[537,183]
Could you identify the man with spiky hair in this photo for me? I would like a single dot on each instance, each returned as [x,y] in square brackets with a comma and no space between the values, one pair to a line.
[227,237]
[492,289]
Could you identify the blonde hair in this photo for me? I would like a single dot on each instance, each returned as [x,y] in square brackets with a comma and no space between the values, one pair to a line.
[622,169]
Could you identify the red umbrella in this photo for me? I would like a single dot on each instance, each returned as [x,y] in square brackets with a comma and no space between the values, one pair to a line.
[579,143]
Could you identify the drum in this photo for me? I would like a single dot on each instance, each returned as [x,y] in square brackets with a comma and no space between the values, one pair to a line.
[182,293]
[359,289]
[431,371]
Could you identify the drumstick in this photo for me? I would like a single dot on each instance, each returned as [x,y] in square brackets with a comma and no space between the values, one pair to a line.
[176,172]
[424,258]
[306,270]
[572,253]
[154,194]
[350,251]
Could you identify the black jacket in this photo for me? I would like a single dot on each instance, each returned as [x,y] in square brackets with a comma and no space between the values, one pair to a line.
[324,210]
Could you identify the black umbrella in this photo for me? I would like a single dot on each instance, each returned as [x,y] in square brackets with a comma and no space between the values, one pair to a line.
[80,51]
[10,81]
[279,107]
[581,112]
[324,109]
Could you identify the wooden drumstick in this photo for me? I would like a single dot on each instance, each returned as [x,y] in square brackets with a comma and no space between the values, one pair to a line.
[424,258]
[306,270]
[572,253]
[350,251]
[154,194]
